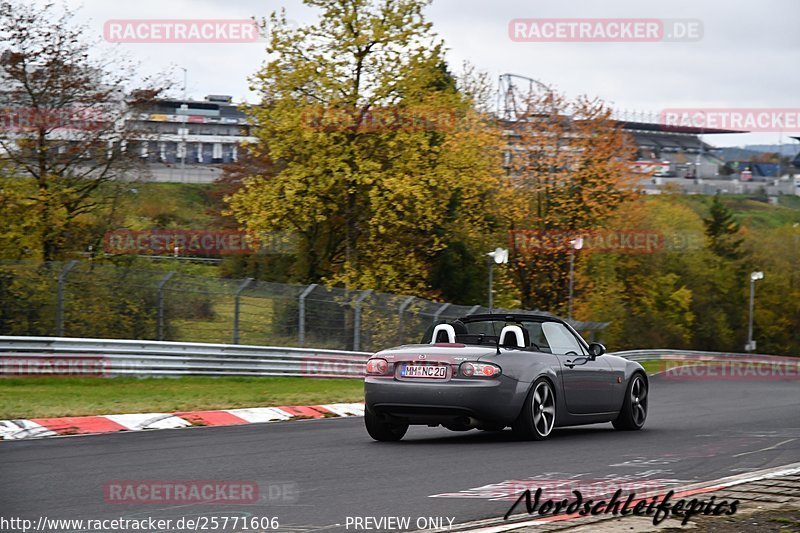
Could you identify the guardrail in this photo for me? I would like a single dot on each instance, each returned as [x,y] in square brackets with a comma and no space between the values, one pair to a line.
[109,358]
[649,355]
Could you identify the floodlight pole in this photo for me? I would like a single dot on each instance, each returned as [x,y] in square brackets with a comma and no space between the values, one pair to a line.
[575,244]
[571,279]
[491,282]
[755,276]
[499,256]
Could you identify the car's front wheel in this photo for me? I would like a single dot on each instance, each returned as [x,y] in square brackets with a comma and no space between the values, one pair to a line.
[381,430]
[634,410]
[538,416]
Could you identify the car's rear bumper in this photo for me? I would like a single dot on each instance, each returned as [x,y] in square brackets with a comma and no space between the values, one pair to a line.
[415,402]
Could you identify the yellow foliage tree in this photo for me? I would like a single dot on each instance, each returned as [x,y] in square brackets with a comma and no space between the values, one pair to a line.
[379,157]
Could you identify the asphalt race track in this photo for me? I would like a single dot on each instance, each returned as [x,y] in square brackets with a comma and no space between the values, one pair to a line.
[696,431]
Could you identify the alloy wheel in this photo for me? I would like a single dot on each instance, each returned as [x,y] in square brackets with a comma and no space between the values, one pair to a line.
[638,400]
[544,409]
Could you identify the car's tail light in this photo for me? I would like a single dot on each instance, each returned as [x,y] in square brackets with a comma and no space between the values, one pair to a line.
[480,370]
[377,367]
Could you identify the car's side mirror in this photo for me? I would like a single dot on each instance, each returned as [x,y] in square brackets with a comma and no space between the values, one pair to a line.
[596,349]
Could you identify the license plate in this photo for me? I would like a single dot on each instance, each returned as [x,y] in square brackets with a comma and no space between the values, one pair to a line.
[423,371]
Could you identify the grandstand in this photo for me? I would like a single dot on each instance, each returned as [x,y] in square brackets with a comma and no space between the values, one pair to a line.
[674,152]
[665,153]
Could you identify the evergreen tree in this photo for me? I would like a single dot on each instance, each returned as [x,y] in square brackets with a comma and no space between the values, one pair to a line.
[722,231]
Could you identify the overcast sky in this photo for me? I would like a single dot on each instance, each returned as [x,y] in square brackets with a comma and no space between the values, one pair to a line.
[748,57]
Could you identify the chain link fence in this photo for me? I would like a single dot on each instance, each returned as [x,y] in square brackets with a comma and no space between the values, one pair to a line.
[98,300]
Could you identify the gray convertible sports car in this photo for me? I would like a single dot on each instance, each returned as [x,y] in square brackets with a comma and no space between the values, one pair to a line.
[530,372]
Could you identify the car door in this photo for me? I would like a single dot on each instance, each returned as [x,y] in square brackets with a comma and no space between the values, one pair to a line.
[587,384]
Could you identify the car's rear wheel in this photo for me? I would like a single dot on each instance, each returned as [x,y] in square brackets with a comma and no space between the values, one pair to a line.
[538,416]
[381,430]
[634,410]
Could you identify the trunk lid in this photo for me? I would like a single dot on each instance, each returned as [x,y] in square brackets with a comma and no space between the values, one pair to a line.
[430,361]
[436,353]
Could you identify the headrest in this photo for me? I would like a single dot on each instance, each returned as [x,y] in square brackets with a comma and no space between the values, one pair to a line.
[459,327]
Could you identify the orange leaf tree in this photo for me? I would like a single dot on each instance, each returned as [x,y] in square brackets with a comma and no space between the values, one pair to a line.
[568,168]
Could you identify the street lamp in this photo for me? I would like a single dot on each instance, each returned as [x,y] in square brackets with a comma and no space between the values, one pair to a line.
[575,244]
[500,256]
[751,344]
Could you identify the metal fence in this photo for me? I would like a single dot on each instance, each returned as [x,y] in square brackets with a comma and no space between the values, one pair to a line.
[31,356]
[100,300]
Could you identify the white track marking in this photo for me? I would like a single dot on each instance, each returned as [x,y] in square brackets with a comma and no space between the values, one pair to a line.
[255,415]
[345,409]
[764,449]
[139,421]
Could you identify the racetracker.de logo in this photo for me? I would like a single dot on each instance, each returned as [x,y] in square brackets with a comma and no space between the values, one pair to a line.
[181,31]
[192,242]
[70,118]
[731,370]
[640,241]
[61,365]
[773,120]
[332,367]
[595,30]
[180,492]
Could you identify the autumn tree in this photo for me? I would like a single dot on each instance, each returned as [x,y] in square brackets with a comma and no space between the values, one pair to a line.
[681,293]
[776,252]
[380,158]
[17,229]
[64,129]
[568,170]
[274,264]
[651,295]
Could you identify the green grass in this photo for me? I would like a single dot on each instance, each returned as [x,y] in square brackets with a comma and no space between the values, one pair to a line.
[747,210]
[651,367]
[787,521]
[175,205]
[37,397]
[256,316]
[655,366]
[792,202]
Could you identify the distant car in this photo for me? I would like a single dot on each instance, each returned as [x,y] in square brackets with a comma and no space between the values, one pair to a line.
[530,372]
